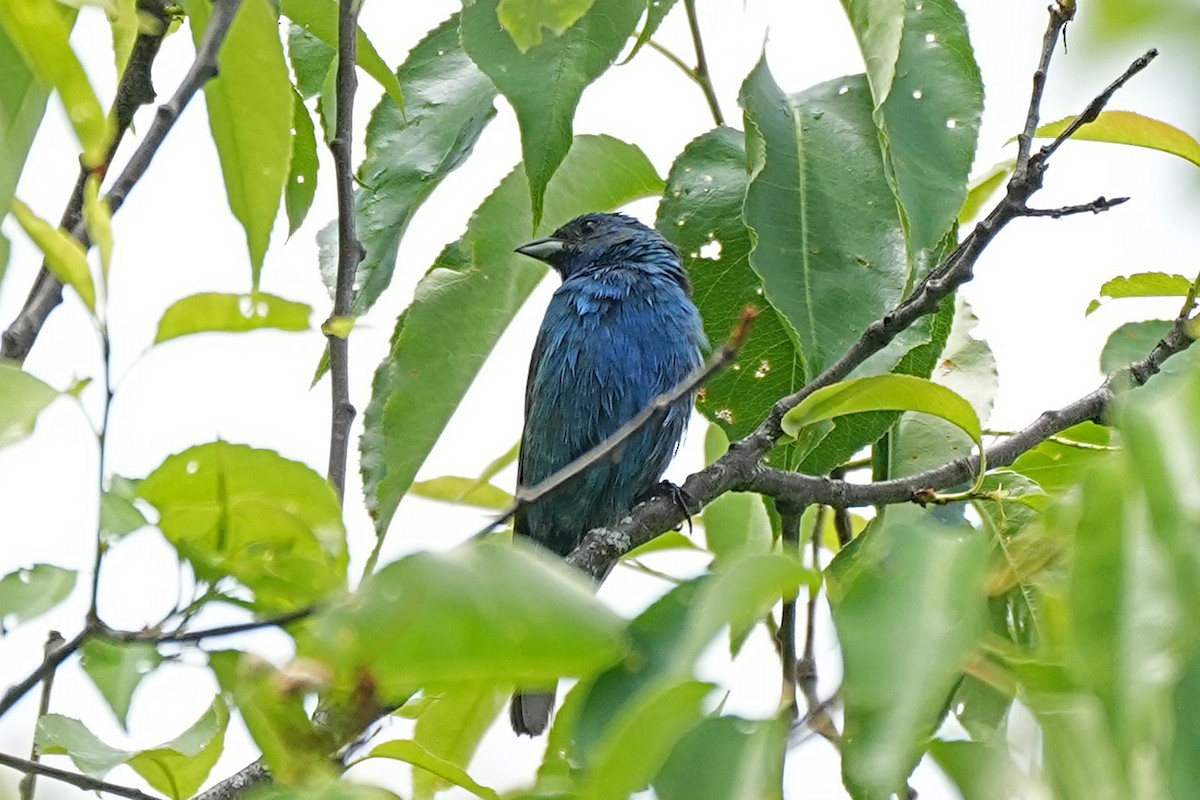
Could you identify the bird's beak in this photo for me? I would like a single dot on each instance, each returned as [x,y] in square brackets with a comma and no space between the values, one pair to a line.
[542,249]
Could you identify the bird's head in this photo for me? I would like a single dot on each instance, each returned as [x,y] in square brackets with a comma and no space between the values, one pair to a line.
[595,242]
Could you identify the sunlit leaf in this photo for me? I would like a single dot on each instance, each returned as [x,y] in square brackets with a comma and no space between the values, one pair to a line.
[98,217]
[271,523]
[982,188]
[210,312]
[302,174]
[411,752]
[484,612]
[40,31]
[1142,284]
[22,398]
[117,668]
[32,591]
[1131,128]
[525,19]
[22,103]
[463,491]
[878,26]
[65,256]
[250,116]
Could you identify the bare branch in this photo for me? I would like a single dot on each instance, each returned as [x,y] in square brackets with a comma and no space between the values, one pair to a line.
[188,637]
[350,250]
[73,778]
[1095,207]
[48,666]
[29,783]
[701,70]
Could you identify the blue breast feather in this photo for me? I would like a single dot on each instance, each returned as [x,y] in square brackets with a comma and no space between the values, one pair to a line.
[610,343]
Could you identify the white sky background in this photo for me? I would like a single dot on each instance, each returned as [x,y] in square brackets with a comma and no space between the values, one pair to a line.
[175,236]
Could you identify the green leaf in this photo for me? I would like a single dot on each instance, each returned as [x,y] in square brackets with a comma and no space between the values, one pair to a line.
[984,772]
[22,105]
[448,104]
[434,357]
[125,21]
[669,637]
[294,752]
[885,393]
[878,25]
[98,217]
[828,239]
[332,790]
[451,727]
[118,515]
[1128,127]
[320,18]
[311,60]
[302,174]
[656,13]
[735,522]
[177,768]
[463,491]
[525,19]
[544,84]
[726,758]
[65,256]
[701,214]
[250,116]
[411,752]
[210,312]
[117,669]
[40,31]
[908,605]
[930,118]
[982,188]
[966,367]
[639,740]
[22,398]
[1132,342]
[271,523]
[32,591]
[1057,464]
[1142,284]
[481,612]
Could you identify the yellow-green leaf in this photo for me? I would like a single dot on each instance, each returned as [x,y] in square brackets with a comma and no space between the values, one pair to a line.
[22,398]
[231,313]
[525,19]
[463,491]
[1129,127]
[319,17]
[65,256]
[410,752]
[98,217]
[983,188]
[884,393]
[41,31]
[1142,284]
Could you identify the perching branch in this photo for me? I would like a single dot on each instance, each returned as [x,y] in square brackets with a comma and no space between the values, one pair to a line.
[73,778]
[721,358]
[350,250]
[134,91]
[741,468]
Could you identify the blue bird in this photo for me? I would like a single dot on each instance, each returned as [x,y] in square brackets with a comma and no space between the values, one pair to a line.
[621,330]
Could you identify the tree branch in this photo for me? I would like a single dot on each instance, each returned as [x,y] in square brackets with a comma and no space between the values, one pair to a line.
[48,666]
[741,468]
[191,637]
[46,293]
[73,778]
[350,250]
[29,783]
[135,90]
[701,71]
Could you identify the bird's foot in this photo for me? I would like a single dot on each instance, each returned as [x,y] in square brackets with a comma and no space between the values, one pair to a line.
[680,497]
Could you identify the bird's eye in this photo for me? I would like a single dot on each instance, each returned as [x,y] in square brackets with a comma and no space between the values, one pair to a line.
[589,226]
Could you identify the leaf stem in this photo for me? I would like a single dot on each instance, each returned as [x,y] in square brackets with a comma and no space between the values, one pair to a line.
[701,71]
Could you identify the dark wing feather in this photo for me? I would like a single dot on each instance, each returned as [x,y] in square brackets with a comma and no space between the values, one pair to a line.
[520,524]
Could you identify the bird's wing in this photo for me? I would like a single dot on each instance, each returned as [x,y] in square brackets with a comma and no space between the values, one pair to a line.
[520,524]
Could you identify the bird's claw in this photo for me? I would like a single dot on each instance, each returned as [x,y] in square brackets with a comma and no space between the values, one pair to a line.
[682,499]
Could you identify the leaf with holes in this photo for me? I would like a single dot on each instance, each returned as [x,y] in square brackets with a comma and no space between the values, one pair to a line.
[211,312]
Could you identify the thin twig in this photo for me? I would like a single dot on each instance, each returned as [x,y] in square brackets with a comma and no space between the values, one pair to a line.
[527,495]
[350,250]
[1058,19]
[1100,204]
[93,614]
[790,517]
[701,71]
[29,783]
[134,91]
[48,666]
[183,637]
[28,324]
[73,778]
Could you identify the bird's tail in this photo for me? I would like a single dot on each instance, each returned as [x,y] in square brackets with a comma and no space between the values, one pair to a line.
[530,712]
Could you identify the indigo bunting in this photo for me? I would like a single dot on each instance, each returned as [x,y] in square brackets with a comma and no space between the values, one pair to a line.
[619,331]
